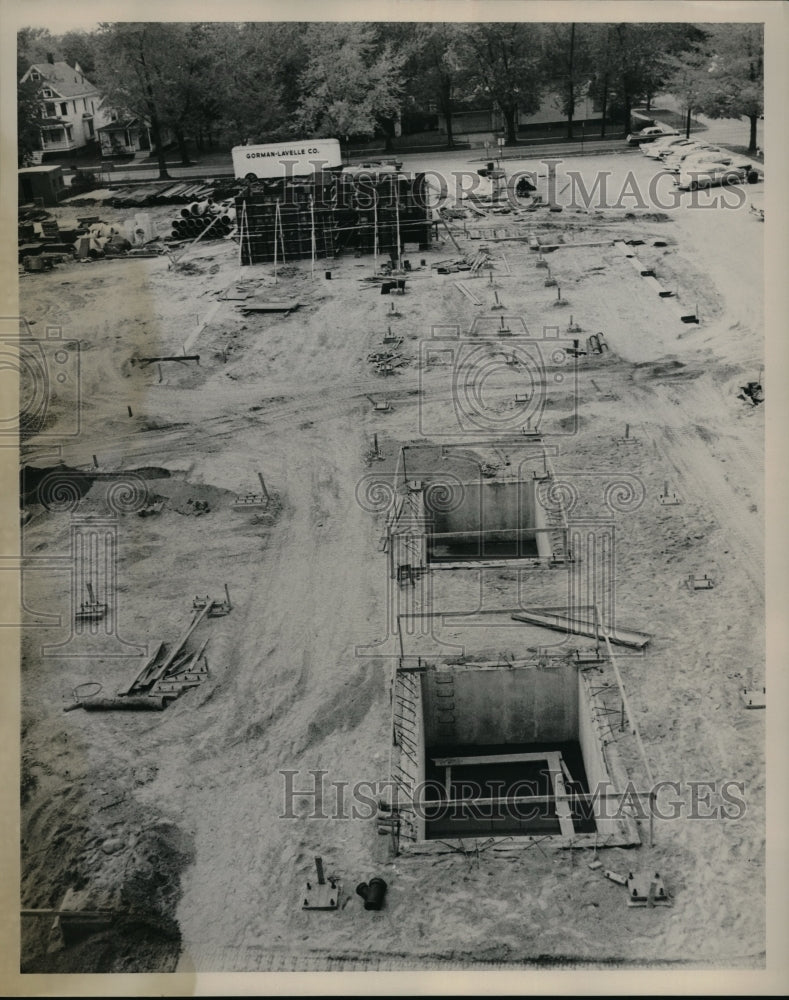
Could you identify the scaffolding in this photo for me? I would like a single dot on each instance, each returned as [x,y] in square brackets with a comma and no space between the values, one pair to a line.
[319,217]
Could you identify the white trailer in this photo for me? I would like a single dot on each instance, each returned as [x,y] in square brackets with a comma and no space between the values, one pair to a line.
[286,159]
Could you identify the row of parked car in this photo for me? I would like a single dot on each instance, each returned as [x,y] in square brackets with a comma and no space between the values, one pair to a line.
[697,164]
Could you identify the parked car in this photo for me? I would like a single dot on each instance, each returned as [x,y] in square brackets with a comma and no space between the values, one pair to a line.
[711,174]
[655,148]
[705,158]
[649,134]
[673,161]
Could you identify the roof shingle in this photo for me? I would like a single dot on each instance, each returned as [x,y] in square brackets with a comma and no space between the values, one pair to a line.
[66,80]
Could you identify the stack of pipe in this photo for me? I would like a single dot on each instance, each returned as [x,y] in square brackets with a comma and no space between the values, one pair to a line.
[200,215]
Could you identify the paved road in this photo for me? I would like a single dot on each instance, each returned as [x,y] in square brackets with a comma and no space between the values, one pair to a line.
[475,156]
[726,130]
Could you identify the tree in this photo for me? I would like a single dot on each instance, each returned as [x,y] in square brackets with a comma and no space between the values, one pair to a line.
[567,65]
[504,64]
[33,45]
[602,69]
[350,84]
[253,91]
[434,65]
[688,79]
[163,72]
[133,62]
[736,79]
[79,47]
[28,121]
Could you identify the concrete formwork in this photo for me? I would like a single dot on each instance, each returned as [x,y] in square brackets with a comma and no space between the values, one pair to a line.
[492,704]
[506,716]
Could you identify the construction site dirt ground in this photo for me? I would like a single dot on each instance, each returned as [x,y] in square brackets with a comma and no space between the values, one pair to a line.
[184,807]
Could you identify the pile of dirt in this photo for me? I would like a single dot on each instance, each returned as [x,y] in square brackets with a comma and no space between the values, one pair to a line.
[100,849]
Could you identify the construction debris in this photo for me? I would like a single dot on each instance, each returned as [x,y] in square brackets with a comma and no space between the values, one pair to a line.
[752,392]
[576,626]
[274,306]
[144,362]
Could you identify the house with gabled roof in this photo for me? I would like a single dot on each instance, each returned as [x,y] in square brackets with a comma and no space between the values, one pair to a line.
[68,104]
[123,133]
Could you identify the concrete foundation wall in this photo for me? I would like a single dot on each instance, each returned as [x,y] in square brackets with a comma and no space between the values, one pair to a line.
[481,706]
[597,775]
[489,506]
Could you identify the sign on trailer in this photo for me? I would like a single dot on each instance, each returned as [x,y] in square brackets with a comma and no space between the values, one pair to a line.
[294,159]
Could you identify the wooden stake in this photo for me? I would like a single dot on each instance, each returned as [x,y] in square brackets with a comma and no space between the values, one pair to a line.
[95,462]
[375,232]
[263,486]
[312,238]
[130,411]
[397,218]
[246,229]
[276,223]
[241,232]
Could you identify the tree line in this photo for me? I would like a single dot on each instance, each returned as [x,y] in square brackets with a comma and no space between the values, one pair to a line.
[276,80]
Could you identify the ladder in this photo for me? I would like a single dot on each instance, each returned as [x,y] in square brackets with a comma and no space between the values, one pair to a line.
[444,692]
[407,698]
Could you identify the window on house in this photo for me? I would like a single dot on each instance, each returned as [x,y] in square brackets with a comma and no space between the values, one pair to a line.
[64,108]
[53,136]
[84,104]
[46,91]
[49,110]
[35,75]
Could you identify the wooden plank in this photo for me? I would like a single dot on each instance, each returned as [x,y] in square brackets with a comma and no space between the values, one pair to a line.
[451,235]
[159,672]
[189,665]
[506,758]
[563,811]
[467,292]
[576,626]
[253,306]
[148,664]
